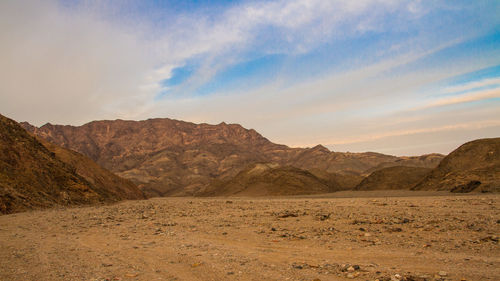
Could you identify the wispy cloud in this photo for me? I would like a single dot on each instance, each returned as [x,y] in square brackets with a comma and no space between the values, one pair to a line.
[372,137]
[466,97]
[472,85]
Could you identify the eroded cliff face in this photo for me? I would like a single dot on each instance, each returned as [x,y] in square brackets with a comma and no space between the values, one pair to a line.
[171,157]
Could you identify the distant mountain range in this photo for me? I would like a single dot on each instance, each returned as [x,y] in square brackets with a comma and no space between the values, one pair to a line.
[168,157]
[108,161]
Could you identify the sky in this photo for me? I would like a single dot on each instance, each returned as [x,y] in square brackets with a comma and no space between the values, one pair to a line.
[391,76]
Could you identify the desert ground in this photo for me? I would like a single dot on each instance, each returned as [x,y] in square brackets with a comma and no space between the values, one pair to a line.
[343,236]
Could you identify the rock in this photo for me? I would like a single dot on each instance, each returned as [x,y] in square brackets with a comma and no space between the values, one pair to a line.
[297,266]
[324,217]
[288,214]
[442,273]
[396,277]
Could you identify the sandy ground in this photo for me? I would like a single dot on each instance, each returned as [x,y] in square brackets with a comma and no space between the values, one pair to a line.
[375,237]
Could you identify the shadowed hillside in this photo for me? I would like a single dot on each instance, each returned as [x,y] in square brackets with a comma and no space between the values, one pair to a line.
[398,177]
[270,179]
[474,166]
[34,176]
[423,161]
[101,179]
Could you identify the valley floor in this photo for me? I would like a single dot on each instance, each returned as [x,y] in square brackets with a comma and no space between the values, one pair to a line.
[300,238]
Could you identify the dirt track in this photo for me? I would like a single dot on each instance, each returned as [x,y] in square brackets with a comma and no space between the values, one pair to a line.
[417,238]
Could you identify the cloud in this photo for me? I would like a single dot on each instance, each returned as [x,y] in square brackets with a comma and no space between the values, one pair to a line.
[77,63]
[472,85]
[277,27]
[466,97]
[453,127]
[81,61]
[59,66]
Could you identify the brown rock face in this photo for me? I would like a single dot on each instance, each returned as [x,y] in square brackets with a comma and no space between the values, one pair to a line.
[35,176]
[101,180]
[171,157]
[474,166]
[397,177]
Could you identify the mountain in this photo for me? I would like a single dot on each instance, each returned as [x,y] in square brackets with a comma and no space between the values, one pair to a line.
[263,179]
[33,175]
[423,161]
[164,156]
[341,181]
[474,166]
[171,157]
[102,180]
[397,177]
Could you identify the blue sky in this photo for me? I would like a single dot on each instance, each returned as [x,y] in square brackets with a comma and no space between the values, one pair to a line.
[398,77]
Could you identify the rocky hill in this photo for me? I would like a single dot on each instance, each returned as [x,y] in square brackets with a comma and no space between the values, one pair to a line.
[474,166]
[423,161]
[397,177]
[263,179]
[35,176]
[171,157]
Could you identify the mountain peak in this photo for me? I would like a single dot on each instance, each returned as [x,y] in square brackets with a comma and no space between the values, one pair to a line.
[321,148]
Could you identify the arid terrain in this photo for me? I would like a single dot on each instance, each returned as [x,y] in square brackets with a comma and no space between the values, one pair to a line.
[429,217]
[417,235]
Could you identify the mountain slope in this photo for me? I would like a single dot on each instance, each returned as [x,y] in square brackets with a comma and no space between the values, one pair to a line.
[270,179]
[33,176]
[397,177]
[171,157]
[102,180]
[423,161]
[474,166]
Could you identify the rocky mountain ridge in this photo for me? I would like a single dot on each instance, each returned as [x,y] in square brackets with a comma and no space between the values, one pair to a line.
[171,157]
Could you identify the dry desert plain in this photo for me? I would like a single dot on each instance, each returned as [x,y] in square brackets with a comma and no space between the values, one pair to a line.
[342,236]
